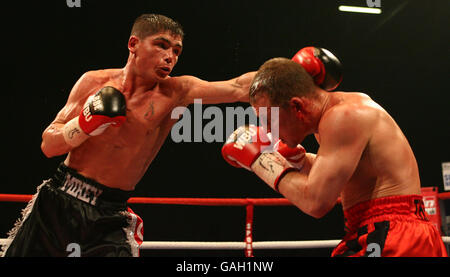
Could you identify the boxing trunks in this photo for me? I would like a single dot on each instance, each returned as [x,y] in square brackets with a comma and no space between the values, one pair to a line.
[395,226]
[71,215]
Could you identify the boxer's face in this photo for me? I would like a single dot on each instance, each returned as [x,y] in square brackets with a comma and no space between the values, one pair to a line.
[290,128]
[156,55]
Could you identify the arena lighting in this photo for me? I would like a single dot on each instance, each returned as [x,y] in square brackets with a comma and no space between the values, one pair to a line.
[359,9]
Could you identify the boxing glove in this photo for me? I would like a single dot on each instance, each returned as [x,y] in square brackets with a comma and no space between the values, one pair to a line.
[250,147]
[295,156]
[104,108]
[322,65]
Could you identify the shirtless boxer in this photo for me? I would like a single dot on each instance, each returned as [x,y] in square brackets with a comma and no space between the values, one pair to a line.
[363,157]
[112,127]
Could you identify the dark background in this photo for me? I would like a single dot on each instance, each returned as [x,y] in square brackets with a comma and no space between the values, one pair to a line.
[400,58]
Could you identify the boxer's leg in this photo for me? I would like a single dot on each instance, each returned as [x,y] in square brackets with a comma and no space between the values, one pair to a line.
[27,236]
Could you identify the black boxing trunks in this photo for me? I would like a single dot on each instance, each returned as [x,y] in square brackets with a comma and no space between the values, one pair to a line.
[395,226]
[71,215]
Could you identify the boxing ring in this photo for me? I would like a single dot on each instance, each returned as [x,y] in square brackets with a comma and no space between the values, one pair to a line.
[431,200]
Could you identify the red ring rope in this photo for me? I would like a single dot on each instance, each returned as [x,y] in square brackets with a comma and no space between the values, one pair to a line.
[193,201]
[444,195]
[248,202]
[178,201]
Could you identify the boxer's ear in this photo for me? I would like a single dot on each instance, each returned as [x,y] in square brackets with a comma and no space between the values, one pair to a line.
[296,105]
[133,41]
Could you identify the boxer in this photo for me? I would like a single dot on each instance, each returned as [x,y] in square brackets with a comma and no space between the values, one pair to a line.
[111,128]
[363,157]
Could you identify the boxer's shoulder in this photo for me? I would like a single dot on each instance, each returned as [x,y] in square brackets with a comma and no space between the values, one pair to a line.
[100,77]
[350,104]
[91,81]
[351,109]
[180,83]
[346,116]
[178,87]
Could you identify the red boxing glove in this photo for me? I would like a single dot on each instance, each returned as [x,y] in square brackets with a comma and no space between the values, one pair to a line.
[250,147]
[245,145]
[296,156]
[104,108]
[322,65]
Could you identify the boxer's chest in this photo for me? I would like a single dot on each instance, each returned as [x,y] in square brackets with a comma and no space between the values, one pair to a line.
[148,118]
[149,111]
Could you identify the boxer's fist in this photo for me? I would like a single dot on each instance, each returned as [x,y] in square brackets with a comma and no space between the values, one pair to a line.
[106,107]
[296,155]
[251,148]
[245,145]
[322,65]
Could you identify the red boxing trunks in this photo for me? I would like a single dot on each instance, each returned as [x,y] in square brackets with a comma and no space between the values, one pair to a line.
[395,226]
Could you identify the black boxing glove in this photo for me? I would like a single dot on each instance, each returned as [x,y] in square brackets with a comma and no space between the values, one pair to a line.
[322,65]
[104,108]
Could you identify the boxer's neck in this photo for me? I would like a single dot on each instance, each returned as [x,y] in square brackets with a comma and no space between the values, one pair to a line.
[322,105]
[134,84]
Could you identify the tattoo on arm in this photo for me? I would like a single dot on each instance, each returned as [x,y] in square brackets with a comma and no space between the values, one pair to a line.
[73,132]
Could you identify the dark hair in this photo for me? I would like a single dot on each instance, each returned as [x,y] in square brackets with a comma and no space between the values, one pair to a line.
[150,24]
[281,79]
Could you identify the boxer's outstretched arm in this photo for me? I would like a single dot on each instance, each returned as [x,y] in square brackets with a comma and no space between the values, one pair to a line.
[53,142]
[343,136]
[234,90]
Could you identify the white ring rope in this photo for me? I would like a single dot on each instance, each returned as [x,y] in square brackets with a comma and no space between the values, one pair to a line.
[237,245]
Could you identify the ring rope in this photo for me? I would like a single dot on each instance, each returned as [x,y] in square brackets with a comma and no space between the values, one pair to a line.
[194,201]
[248,245]
[238,245]
[230,245]
[178,201]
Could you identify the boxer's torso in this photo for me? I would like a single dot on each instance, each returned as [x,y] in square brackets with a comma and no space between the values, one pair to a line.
[387,165]
[120,156]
